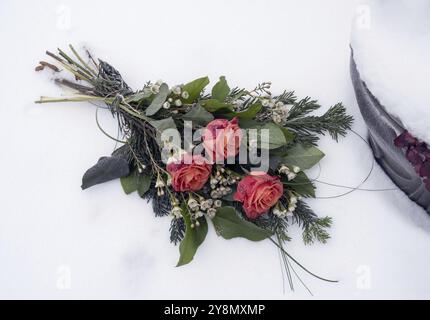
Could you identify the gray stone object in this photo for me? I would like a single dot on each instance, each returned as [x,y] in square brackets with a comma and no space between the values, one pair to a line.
[383,129]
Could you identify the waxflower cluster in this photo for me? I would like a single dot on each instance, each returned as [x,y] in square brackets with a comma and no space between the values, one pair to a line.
[199,206]
[221,182]
[176,99]
[288,211]
[290,173]
[277,110]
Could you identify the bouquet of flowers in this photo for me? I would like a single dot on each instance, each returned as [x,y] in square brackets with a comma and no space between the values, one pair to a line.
[231,157]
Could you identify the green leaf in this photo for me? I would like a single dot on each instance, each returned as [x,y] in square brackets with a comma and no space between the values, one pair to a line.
[213,105]
[193,238]
[198,115]
[249,113]
[302,185]
[229,225]
[220,90]
[303,157]
[129,183]
[195,88]
[136,181]
[289,136]
[137,97]
[276,135]
[158,101]
[143,185]
[161,125]
[249,124]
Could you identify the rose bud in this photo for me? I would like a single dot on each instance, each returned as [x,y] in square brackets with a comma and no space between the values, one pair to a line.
[190,173]
[258,193]
[222,138]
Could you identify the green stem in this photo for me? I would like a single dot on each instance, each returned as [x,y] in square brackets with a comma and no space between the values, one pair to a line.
[77,98]
[82,61]
[74,63]
[299,264]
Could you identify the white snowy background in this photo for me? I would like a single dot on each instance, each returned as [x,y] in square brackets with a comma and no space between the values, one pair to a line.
[59,242]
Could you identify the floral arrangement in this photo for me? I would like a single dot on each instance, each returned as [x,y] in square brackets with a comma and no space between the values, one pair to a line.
[229,156]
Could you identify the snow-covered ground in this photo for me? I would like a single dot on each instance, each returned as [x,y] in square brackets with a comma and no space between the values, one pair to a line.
[392,52]
[57,241]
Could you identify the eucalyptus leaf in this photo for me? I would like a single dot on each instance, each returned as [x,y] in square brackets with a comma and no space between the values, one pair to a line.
[106,169]
[130,183]
[213,105]
[198,115]
[249,113]
[161,125]
[158,101]
[229,225]
[302,185]
[195,88]
[144,183]
[136,181]
[193,238]
[289,136]
[303,157]
[276,135]
[249,123]
[220,90]
[138,96]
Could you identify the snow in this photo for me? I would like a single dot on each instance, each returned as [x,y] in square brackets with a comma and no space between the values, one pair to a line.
[57,241]
[392,53]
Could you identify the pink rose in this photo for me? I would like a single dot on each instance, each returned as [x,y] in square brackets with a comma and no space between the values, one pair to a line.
[222,138]
[258,193]
[190,173]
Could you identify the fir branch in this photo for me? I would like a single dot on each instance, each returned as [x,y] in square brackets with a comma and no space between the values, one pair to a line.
[109,81]
[334,122]
[281,228]
[287,97]
[160,203]
[236,94]
[177,230]
[261,89]
[303,108]
[306,138]
[314,228]
[277,225]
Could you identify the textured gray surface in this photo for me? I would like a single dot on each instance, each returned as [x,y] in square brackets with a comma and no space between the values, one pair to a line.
[383,129]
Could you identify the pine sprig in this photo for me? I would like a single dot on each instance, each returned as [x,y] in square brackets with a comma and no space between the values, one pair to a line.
[177,230]
[335,122]
[275,224]
[161,204]
[303,108]
[287,97]
[314,228]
